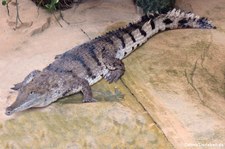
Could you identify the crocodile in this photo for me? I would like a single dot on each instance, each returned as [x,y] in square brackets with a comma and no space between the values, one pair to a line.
[84,65]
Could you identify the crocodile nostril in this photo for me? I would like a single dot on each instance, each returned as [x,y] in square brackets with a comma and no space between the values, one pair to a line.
[8,111]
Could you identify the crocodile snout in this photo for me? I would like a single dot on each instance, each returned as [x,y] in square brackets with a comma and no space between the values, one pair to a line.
[9,111]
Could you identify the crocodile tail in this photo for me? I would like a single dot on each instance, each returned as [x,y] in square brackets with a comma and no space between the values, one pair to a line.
[130,37]
[176,19]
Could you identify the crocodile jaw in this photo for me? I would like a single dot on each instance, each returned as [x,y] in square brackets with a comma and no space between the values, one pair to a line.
[16,107]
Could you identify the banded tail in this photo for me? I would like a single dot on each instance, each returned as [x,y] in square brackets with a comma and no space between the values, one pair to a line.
[135,34]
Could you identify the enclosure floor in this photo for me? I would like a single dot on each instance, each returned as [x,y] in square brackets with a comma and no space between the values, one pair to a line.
[171,96]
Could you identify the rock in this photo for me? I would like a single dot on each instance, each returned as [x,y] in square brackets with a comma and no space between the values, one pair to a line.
[172,93]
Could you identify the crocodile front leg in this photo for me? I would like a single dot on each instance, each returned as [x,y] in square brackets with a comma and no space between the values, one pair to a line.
[27,79]
[79,84]
[87,92]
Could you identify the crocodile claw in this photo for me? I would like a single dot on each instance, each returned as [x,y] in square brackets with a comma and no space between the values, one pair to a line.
[114,76]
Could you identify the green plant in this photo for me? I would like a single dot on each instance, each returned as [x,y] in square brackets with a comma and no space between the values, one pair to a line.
[52,5]
[161,6]
[4,2]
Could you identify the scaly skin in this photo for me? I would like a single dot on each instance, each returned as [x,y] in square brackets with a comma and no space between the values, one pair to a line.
[77,69]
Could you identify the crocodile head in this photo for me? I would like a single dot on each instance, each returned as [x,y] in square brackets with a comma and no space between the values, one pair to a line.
[40,92]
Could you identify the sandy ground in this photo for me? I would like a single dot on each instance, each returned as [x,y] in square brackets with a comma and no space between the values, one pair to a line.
[160,80]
